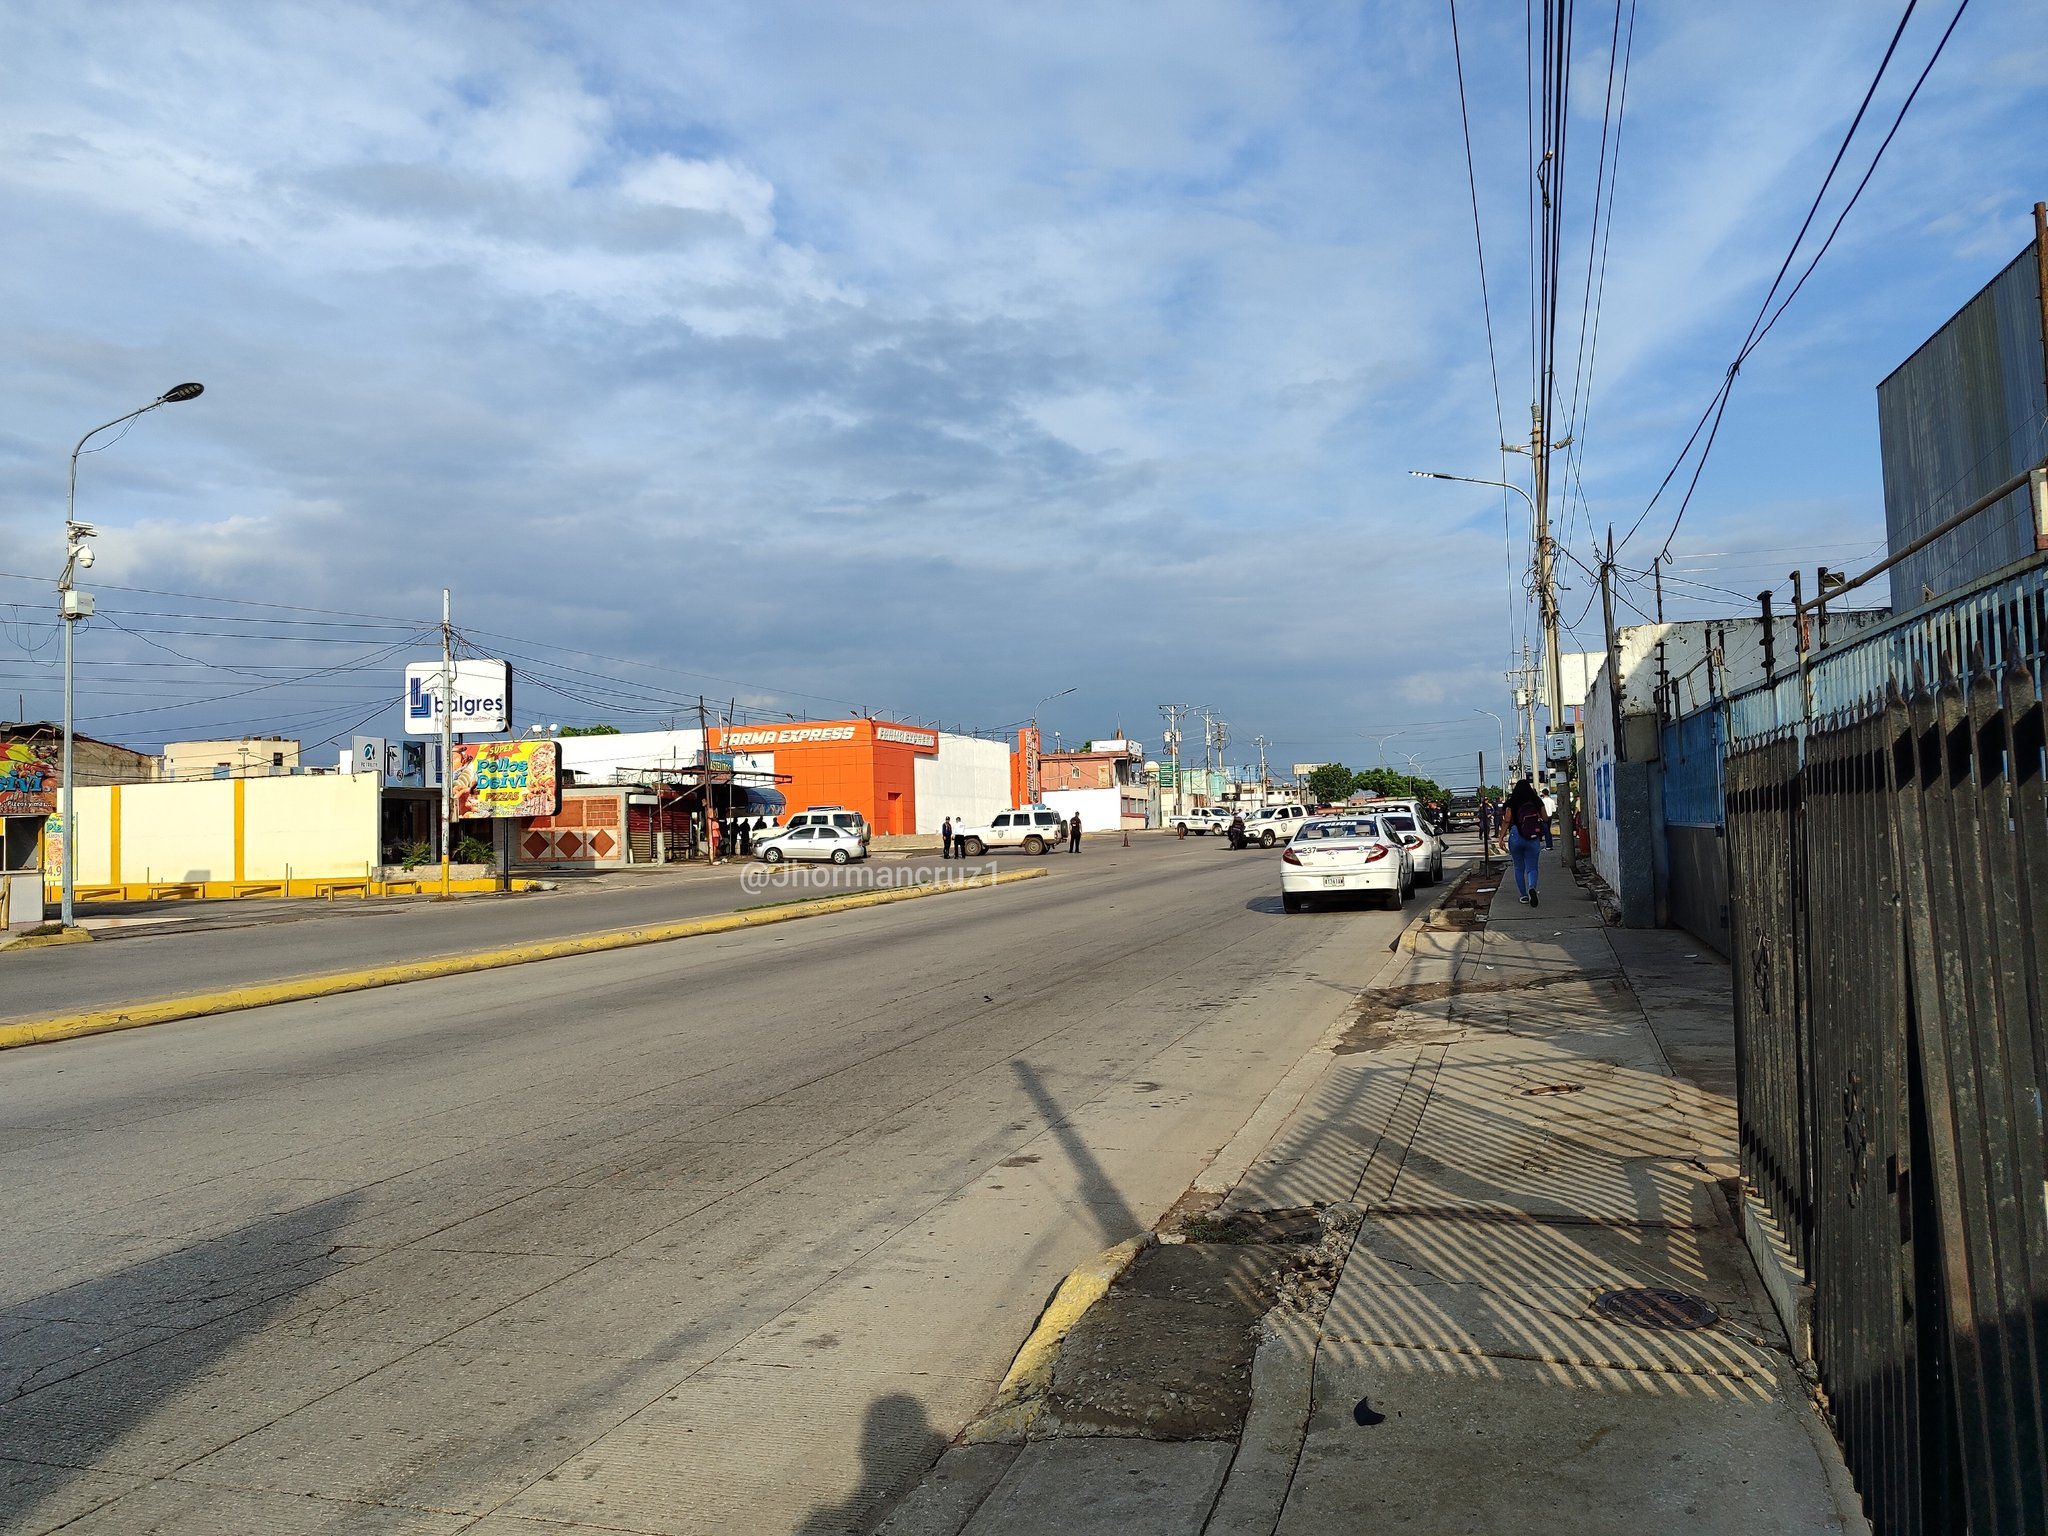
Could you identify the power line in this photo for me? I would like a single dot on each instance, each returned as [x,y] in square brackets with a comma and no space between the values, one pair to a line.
[1766,316]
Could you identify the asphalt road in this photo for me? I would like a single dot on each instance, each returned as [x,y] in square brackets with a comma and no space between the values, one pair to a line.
[224,944]
[730,1234]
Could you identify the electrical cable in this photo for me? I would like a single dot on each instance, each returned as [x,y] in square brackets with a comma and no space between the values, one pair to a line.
[1765,316]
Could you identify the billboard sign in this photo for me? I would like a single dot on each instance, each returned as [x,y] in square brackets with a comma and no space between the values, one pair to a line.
[507,778]
[403,764]
[482,698]
[1031,740]
[28,777]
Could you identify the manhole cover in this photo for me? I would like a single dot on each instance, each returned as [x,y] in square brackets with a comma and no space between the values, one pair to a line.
[1650,1306]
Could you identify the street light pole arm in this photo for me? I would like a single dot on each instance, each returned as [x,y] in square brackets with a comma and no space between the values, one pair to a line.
[1505,485]
[71,486]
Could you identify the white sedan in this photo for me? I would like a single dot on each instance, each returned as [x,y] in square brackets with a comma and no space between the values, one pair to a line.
[1425,845]
[1345,856]
[837,844]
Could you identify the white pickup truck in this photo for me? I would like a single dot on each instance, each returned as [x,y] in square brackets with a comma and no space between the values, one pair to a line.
[1202,820]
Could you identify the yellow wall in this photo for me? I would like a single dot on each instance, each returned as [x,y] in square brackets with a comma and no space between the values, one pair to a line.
[169,832]
[321,826]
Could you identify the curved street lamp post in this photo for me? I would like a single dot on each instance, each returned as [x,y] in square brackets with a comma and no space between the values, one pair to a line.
[73,605]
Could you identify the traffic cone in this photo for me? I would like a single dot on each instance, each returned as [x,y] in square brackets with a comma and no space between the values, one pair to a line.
[1127,837]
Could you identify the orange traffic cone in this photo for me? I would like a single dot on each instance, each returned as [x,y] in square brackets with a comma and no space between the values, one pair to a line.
[1127,837]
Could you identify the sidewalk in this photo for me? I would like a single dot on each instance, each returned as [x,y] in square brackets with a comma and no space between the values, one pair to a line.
[1505,1156]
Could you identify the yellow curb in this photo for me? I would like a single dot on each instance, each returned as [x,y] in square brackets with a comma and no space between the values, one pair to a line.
[45,940]
[1020,1401]
[301,988]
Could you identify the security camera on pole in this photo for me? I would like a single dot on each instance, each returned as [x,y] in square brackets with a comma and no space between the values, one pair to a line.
[74,605]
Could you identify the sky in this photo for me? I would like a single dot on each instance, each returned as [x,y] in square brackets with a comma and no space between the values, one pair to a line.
[927,361]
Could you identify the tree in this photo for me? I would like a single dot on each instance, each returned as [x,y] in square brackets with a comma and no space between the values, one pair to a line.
[1330,783]
[591,730]
[1399,786]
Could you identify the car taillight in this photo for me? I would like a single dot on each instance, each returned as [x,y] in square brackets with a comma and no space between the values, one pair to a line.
[1290,857]
[1379,851]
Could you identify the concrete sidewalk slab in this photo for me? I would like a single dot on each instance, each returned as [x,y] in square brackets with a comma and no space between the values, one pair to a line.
[1525,1290]
[1501,1447]
[1105,1488]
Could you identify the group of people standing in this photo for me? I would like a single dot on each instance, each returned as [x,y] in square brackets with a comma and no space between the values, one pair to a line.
[1523,821]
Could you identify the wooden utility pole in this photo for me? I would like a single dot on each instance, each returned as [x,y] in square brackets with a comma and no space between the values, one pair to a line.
[1613,647]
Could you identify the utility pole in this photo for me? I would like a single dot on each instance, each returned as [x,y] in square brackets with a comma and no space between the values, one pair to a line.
[1613,650]
[1539,451]
[1261,743]
[447,742]
[1175,713]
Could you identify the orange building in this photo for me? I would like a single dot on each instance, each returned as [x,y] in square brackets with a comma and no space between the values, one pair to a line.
[868,766]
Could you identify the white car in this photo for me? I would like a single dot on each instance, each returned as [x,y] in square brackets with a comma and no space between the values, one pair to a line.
[1345,855]
[1201,821]
[1426,844]
[831,816]
[814,841]
[1033,828]
[1271,824]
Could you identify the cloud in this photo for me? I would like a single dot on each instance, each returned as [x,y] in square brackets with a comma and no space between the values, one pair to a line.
[926,361]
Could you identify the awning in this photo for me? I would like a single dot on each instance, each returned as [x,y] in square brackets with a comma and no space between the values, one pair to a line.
[758,802]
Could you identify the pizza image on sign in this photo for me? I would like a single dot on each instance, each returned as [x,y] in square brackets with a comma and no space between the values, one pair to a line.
[507,778]
[28,778]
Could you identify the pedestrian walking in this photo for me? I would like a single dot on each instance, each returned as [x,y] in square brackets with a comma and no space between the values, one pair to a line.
[946,838]
[1528,831]
[1074,834]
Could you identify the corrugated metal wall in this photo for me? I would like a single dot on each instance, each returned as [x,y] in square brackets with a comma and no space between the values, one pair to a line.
[1966,411]
[1693,752]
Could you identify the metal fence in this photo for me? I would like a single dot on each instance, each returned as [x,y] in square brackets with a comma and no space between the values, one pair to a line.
[1889,878]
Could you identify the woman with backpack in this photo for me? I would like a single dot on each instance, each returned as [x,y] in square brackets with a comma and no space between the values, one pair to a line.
[1528,831]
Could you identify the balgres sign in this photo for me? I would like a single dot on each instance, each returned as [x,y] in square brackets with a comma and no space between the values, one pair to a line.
[482,697]
[924,741]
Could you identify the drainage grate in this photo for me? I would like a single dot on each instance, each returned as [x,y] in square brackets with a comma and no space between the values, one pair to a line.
[1553,1088]
[1650,1306]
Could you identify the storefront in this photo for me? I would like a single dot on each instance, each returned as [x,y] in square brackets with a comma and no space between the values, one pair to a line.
[870,766]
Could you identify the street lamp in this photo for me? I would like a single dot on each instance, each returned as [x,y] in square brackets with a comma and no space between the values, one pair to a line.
[1504,485]
[1380,743]
[73,606]
[1498,726]
[1031,778]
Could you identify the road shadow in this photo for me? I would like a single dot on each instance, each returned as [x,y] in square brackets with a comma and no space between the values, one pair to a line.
[897,1446]
[1114,1219]
[84,1367]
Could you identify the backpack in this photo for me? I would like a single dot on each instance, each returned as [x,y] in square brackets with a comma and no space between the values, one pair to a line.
[1529,821]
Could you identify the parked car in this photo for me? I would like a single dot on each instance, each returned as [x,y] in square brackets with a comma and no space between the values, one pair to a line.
[1425,840]
[1345,855]
[1033,828]
[832,816]
[1201,821]
[1272,824]
[813,841]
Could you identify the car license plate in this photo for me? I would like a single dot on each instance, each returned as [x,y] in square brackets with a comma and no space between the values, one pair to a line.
[1333,879]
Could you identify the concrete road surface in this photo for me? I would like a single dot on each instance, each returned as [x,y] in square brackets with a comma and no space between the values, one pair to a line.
[724,1235]
[202,946]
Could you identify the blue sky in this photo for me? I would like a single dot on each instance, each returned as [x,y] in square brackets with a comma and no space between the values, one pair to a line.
[927,360]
